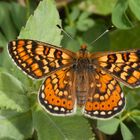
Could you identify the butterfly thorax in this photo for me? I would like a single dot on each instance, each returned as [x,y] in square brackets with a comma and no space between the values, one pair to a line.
[82,61]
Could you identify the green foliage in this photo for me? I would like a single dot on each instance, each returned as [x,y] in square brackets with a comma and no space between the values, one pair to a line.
[42,26]
[108,126]
[135,116]
[121,14]
[8,29]
[12,18]
[59,128]
[134,6]
[20,114]
[127,135]
[10,98]
[102,7]
[84,22]
[15,125]
[119,41]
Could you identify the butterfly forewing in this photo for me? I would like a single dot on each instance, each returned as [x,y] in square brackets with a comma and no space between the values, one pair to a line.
[57,93]
[39,59]
[124,66]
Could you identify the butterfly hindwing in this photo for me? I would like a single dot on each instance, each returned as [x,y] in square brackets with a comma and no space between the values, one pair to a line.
[56,94]
[124,66]
[105,98]
[38,59]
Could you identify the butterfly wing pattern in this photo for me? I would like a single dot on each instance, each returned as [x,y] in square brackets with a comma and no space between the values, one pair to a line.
[38,59]
[56,93]
[105,98]
[90,80]
[124,66]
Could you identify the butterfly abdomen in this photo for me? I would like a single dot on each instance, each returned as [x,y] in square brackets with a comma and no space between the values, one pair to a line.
[81,97]
[81,68]
[81,87]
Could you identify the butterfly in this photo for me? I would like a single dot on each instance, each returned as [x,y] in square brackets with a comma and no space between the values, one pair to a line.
[90,80]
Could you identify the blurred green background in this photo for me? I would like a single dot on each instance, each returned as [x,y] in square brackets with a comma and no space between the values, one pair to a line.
[21,117]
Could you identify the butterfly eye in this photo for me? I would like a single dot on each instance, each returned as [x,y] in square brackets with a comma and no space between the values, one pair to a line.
[82,50]
[75,67]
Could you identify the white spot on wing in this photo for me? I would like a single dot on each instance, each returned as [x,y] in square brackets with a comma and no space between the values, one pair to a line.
[120,103]
[42,95]
[56,108]
[122,95]
[96,112]
[110,112]
[50,106]
[116,108]
[45,102]
[102,113]
[62,109]
[42,87]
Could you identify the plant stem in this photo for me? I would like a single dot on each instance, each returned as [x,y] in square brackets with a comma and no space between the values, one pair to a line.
[99,134]
[125,116]
[28,8]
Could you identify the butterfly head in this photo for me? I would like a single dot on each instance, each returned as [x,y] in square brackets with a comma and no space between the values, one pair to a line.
[83,51]
[83,47]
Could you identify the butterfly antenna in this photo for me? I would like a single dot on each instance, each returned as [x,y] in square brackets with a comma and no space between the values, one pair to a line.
[64,32]
[102,34]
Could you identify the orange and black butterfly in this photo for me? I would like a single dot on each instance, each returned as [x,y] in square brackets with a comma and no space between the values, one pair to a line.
[90,80]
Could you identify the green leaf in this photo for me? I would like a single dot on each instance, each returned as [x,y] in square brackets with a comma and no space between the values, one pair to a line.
[135,7]
[84,22]
[135,116]
[15,125]
[126,133]
[108,126]
[42,25]
[3,40]
[12,94]
[131,102]
[6,138]
[119,41]
[18,15]
[2,44]
[60,128]
[6,24]
[102,7]
[135,130]
[8,83]
[74,14]
[119,15]
[132,97]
